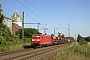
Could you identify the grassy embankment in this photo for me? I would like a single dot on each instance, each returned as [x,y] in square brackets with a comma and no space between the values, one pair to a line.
[73,52]
[14,47]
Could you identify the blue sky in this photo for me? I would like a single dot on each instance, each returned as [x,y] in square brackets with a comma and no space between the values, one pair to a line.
[53,13]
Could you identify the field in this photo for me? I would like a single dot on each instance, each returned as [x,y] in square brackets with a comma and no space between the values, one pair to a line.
[73,52]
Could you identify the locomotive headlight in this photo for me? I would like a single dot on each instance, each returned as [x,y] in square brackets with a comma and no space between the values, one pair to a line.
[32,39]
[38,40]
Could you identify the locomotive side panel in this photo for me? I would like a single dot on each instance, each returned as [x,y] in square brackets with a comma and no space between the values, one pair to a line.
[46,40]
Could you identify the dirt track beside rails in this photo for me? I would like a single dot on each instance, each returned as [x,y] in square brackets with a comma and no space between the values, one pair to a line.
[32,54]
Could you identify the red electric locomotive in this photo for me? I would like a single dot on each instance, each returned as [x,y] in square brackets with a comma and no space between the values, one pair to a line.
[40,40]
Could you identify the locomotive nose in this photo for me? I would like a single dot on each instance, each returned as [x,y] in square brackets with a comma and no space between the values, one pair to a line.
[35,39]
[36,42]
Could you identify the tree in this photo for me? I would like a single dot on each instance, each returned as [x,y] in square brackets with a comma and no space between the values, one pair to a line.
[63,36]
[52,34]
[59,35]
[1,17]
[87,38]
[81,40]
[0,8]
[30,31]
[27,32]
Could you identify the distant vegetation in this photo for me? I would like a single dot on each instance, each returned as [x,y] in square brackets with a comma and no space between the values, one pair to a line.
[61,36]
[81,40]
[87,38]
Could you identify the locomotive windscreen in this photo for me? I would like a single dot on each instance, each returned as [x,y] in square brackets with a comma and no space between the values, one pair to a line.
[35,36]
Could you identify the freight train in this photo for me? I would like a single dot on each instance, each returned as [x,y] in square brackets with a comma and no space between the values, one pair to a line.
[46,40]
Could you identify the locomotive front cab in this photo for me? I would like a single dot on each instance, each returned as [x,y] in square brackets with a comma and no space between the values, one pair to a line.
[35,39]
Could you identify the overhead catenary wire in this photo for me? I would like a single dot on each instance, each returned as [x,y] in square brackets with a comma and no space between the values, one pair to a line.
[63,27]
[35,22]
[34,8]
[43,27]
[32,17]
[39,11]
[43,14]
[37,14]
[34,12]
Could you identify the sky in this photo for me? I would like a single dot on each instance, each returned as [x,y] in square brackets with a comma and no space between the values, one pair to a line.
[52,14]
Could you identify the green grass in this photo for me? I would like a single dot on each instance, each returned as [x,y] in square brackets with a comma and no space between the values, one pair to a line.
[13,47]
[73,52]
[17,46]
[10,48]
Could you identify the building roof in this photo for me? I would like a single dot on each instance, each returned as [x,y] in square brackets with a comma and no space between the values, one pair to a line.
[15,17]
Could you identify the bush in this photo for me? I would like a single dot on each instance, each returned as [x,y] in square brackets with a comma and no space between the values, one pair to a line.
[27,40]
[81,40]
[2,41]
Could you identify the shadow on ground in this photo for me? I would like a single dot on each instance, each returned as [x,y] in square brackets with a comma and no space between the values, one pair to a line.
[27,46]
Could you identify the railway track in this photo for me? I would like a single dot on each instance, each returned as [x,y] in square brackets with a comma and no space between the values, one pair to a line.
[12,52]
[29,54]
